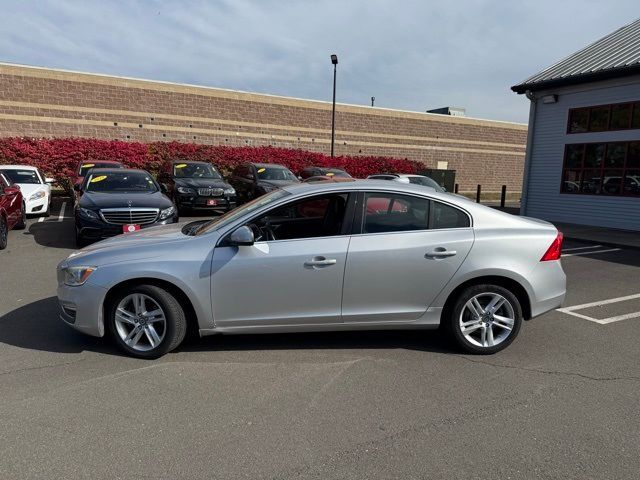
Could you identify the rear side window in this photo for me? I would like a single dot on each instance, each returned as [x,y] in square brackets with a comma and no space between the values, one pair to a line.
[446,216]
[389,212]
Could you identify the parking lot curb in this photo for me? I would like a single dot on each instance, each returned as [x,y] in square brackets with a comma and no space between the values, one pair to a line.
[626,246]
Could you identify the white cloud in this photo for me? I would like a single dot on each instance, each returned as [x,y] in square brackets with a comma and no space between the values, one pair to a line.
[409,54]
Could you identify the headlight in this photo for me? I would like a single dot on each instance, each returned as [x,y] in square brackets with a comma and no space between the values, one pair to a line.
[37,195]
[187,190]
[166,213]
[76,276]
[229,191]
[85,212]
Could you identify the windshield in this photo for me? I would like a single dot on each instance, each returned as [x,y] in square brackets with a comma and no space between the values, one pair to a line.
[240,211]
[275,173]
[22,176]
[118,182]
[336,173]
[427,182]
[85,167]
[195,170]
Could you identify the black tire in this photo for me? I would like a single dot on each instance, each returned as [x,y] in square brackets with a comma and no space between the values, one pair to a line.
[175,324]
[22,223]
[4,231]
[453,316]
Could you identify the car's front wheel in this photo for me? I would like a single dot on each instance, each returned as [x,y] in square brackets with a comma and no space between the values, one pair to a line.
[146,321]
[4,230]
[22,223]
[484,319]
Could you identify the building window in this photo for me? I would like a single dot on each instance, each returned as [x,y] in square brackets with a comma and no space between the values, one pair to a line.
[601,118]
[611,168]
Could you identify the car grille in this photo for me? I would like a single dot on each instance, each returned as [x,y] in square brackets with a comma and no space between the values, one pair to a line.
[210,192]
[125,216]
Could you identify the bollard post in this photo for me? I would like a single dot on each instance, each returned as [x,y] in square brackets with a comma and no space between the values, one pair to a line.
[503,196]
[478,193]
[455,188]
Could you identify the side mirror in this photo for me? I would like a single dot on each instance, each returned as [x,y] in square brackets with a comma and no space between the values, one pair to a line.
[13,191]
[242,236]
[49,180]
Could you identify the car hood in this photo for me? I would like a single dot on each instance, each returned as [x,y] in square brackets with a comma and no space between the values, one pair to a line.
[29,188]
[201,183]
[95,200]
[164,241]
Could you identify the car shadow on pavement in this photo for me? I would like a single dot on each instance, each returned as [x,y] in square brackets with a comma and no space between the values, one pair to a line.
[51,233]
[36,326]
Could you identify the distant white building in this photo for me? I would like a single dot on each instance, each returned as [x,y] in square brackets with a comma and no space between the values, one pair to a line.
[583,149]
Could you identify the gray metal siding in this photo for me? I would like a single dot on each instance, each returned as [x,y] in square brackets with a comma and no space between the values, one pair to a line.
[544,199]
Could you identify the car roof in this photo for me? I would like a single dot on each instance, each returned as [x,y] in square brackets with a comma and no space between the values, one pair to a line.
[274,165]
[114,162]
[17,167]
[117,170]
[190,161]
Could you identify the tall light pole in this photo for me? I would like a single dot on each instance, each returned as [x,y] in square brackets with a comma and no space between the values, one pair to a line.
[334,61]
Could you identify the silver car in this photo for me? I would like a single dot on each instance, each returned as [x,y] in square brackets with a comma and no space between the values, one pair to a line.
[320,257]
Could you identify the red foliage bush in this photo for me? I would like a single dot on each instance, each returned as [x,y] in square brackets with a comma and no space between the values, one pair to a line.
[59,157]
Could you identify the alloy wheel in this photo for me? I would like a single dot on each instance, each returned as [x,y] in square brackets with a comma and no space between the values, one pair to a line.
[140,322]
[487,320]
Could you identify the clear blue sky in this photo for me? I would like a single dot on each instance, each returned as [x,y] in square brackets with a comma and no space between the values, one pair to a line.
[409,54]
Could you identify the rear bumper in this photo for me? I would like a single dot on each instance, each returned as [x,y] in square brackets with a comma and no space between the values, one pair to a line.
[549,284]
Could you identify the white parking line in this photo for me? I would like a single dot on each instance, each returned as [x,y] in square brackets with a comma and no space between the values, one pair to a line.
[602,321]
[580,248]
[591,253]
[61,215]
[41,219]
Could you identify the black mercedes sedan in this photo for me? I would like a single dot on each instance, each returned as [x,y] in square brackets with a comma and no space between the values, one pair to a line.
[197,186]
[114,201]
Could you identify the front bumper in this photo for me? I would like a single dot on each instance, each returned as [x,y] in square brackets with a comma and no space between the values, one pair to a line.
[81,307]
[97,229]
[37,206]
[197,202]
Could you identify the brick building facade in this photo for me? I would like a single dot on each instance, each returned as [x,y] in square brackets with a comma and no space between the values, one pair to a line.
[39,102]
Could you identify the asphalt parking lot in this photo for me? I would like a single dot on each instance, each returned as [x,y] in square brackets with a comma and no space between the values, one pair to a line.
[561,402]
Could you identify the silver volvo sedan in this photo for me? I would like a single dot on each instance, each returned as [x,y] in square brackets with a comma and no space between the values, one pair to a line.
[320,257]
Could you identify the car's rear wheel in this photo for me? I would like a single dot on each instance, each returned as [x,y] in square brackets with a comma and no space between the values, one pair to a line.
[23,219]
[484,319]
[146,321]
[4,229]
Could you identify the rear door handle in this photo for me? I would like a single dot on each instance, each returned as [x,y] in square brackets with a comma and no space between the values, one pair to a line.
[320,262]
[440,252]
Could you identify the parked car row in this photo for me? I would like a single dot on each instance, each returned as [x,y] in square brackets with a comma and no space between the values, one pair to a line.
[111,199]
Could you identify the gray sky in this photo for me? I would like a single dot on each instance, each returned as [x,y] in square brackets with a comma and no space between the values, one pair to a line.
[409,54]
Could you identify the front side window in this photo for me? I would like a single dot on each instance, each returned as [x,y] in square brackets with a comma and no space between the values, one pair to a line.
[195,170]
[319,216]
[390,212]
[23,176]
[120,182]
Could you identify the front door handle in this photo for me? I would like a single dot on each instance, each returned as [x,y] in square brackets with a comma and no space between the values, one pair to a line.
[320,262]
[440,252]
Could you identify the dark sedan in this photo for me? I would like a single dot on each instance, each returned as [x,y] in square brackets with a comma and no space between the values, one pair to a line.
[252,180]
[309,172]
[115,201]
[197,186]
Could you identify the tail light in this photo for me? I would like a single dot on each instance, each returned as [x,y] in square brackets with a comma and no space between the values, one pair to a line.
[555,249]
